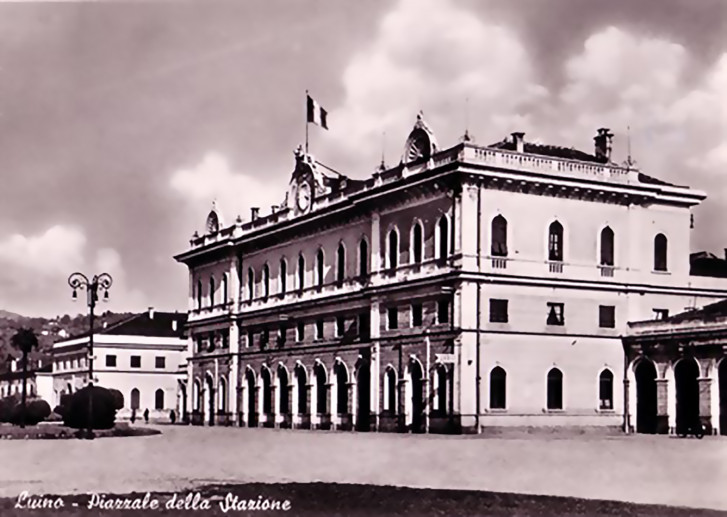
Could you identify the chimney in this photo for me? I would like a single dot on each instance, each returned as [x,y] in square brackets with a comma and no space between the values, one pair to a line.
[274,208]
[151,313]
[254,213]
[174,325]
[603,143]
[517,139]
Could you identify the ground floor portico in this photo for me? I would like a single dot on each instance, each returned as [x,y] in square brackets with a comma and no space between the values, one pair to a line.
[676,374]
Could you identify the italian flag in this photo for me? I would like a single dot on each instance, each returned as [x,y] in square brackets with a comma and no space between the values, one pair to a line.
[316,113]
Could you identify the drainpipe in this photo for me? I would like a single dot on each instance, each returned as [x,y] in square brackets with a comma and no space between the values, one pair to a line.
[479,309]
[627,416]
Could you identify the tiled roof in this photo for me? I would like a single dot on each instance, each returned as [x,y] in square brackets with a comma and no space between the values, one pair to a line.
[555,151]
[568,153]
[18,374]
[160,325]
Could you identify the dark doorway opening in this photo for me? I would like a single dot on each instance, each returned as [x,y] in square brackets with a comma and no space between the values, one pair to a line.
[417,397]
[251,406]
[686,375]
[645,397]
[363,385]
[722,397]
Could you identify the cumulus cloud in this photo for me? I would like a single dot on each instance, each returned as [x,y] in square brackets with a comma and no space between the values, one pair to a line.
[34,271]
[431,55]
[212,179]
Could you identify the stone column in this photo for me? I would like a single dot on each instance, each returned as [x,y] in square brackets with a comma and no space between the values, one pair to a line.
[234,377]
[404,403]
[375,246]
[351,403]
[275,406]
[332,395]
[662,406]
[241,406]
[671,399]
[714,396]
[705,404]
[375,368]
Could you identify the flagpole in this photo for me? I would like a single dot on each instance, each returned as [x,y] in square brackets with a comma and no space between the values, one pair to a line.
[306,121]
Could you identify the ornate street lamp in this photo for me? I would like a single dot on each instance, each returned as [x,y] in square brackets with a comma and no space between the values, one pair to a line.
[80,281]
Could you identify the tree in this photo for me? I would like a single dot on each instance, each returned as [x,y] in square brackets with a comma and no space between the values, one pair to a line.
[25,341]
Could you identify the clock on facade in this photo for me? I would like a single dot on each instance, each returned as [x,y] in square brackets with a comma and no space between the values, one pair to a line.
[304,196]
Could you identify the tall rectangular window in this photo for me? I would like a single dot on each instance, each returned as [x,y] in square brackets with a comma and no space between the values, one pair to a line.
[160,362]
[392,318]
[498,311]
[250,338]
[340,326]
[607,316]
[556,314]
[300,331]
[443,311]
[319,329]
[135,361]
[416,315]
[364,326]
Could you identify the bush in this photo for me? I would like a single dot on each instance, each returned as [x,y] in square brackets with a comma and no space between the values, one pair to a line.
[118,399]
[102,406]
[55,416]
[36,411]
[7,407]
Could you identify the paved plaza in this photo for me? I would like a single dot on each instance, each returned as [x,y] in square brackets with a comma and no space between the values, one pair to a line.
[643,469]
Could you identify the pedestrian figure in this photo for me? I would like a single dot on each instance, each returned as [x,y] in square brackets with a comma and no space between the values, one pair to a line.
[146,415]
[133,416]
[172,416]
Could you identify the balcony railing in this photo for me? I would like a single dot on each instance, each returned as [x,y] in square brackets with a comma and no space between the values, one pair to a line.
[499,262]
[555,267]
[606,271]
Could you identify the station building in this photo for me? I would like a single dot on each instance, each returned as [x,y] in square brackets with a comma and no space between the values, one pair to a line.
[464,288]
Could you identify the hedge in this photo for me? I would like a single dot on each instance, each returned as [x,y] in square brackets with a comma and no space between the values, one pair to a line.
[99,401]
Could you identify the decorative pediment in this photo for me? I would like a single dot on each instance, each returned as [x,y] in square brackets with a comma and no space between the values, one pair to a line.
[214,220]
[421,143]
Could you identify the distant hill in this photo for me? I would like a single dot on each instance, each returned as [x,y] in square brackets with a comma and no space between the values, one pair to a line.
[48,330]
[9,315]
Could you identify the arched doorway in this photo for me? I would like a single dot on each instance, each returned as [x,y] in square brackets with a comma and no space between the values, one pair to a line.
[301,396]
[251,406]
[267,388]
[645,374]
[342,402]
[284,396]
[686,375]
[210,400]
[135,396]
[417,397]
[363,405]
[182,409]
[722,373]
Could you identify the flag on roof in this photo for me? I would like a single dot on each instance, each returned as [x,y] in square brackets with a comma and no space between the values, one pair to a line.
[316,114]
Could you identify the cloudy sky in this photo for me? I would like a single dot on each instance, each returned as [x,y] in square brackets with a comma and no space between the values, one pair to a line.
[121,122]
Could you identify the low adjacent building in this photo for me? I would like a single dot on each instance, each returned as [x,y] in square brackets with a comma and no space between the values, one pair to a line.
[38,384]
[144,357]
[676,373]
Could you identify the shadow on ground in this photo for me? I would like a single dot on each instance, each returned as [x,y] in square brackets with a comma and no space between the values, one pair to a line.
[331,500]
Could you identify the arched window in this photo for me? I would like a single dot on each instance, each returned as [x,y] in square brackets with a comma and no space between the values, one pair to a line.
[340,263]
[498,246]
[225,293]
[199,294]
[222,395]
[555,242]
[159,399]
[135,396]
[266,281]
[250,283]
[390,390]
[555,389]
[443,234]
[321,389]
[212,291]
[417,243]
[660,248]
[498,388]
[363,258]
[283,275]
[605,390]
[319,268]
[393,249]
[267,391]
[301,272]
[607,247]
